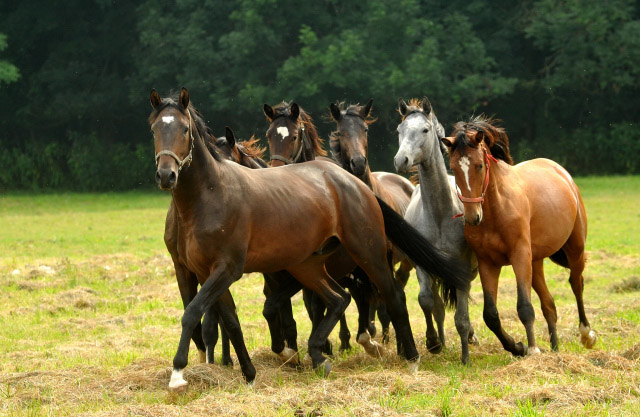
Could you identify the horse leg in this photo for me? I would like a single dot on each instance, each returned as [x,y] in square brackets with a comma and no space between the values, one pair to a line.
[217,283]
[360,288]
[188,286]
[279,290]
[576,265]
[227,310]
[489,277]
[316,309]
[426,301]
[463,324]
[344,334]
[522,267]
[546,301]
[438,311]
[334,297]
[210,332]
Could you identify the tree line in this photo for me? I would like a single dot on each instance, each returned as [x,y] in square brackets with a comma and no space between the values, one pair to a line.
[562,75]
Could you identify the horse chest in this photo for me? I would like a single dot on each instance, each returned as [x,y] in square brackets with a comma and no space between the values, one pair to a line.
[488,245]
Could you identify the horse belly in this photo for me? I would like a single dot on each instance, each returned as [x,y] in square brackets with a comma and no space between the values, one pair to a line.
[554,208]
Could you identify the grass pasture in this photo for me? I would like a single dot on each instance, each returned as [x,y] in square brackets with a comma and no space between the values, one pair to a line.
[90,320]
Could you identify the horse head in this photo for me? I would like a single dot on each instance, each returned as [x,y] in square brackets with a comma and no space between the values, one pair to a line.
[285,133]
[349,142]
[418,134]
[172,127]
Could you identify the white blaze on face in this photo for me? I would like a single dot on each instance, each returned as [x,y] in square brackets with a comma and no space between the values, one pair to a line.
[167,119]
[415,123]
[464,166]
[283,132]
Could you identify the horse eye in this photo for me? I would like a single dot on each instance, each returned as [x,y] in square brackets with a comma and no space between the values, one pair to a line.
[186,129]
[425,130]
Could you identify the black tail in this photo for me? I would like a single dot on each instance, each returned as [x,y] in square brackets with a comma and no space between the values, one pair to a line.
[453,273]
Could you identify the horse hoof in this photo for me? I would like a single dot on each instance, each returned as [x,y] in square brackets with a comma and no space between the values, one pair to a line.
[434,346]
[589,340]
[289,356]
[520,349]
[177,384]
[227,362]
[372,329]
[323,369]
[372,348]
[413,366]
[473,340]
[533,351]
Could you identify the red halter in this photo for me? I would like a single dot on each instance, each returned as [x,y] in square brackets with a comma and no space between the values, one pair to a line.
[487,158]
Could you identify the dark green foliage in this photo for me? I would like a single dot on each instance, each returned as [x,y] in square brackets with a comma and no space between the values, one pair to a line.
[562,75]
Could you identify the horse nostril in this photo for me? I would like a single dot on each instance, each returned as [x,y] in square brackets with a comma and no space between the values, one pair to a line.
[172,177]
[406,161]
[158,179]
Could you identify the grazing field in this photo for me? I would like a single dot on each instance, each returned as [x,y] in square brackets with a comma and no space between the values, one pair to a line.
[90,321]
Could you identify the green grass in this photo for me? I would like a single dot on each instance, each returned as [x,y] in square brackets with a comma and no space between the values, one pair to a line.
[90,321]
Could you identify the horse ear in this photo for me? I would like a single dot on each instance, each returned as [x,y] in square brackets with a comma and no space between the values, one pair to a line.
[426,105]
[479,137]
[155,99]
[231,138]
[295,111]
[335,112]
[402,107]
[448,141]
[268,111]
[367,108]
[184,98]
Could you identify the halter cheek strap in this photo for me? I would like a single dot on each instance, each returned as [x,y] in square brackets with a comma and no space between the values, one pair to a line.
[487,158]
[303,142]
[187,160]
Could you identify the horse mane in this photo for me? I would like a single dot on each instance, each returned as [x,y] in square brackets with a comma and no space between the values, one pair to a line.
[201,127]
[251,147]
[414,105]
[495,136]
[317,143]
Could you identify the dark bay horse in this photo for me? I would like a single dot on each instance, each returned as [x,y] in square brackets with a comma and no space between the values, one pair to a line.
[433,211]
[518,215]
[293,138]
[349,145]
[249,154]
[222,207]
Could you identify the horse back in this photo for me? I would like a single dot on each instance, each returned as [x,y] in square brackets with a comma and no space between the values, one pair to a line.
[393,189]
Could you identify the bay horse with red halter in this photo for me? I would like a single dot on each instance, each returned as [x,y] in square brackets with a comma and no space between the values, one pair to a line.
[350,148]
[518,215]
[222,208]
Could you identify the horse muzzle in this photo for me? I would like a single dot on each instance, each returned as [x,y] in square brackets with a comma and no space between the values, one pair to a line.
[166,178]
[402,163]
[358,165]
[473,218]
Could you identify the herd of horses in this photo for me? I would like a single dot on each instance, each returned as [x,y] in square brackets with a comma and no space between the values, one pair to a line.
[327,225]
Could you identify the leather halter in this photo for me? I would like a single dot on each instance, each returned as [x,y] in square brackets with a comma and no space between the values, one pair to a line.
[187,160]
[487,159]
[304,140]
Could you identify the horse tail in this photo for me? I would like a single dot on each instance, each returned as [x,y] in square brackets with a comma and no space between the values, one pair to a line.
[452,272]
[560,258]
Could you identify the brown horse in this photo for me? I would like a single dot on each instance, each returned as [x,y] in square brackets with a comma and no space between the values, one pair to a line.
[222,207]
[247,153]
[349,146]
[293,138]
[518,215]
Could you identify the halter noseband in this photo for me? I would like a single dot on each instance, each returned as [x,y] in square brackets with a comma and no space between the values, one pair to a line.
[302,133]
[487,158]
[187,160]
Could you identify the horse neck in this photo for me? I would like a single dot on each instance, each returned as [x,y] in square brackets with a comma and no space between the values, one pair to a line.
[200,174]
[438,197]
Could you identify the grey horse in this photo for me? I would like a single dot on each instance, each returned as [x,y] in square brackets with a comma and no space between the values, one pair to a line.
[432,211]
